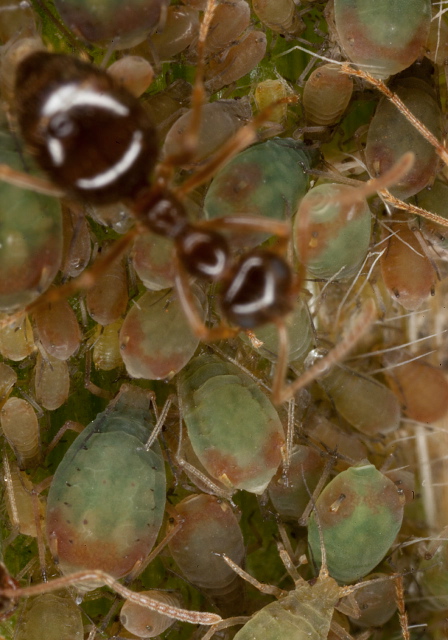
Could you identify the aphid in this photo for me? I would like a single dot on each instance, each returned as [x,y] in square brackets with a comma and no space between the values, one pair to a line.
[106,347]
[156,340]
[304,613]
[407,272]
[421,387]
[289,491]
[8,378]
[20,503]
[376,601]
[234,430]
[433,575]
[50,616]
[281,16]
[384,37]
[229,21]
[434,199]
[152,261]
[103,22]
[208,528]
[269,92]
[236,61]
[57,329]
[17,339]
[76,242]
[180,29]
[134,73]
[266,180]
[21,428]
[360,512]
[390,135]
[338,235]
[30,237]
[144,622]
[326,95]
[219,121]
[98,515]
[376,409]
[51,381]
[107,299]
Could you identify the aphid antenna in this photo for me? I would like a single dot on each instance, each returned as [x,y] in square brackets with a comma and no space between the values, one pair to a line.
[304,518]
[184,615]
[160,422]
[400,364]
[376,255]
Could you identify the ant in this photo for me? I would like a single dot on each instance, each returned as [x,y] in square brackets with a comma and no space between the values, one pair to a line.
[98,145]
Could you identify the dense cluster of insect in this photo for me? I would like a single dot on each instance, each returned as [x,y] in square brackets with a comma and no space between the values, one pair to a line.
[223,249]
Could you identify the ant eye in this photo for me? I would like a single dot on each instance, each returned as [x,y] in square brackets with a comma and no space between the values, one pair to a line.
[62,126]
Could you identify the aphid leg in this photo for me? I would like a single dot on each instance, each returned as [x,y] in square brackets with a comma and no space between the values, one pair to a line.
[160,422]
[264,588]
[225,624]
[361,325]
[303,520]
[68,425]
[25,181]
[91,386]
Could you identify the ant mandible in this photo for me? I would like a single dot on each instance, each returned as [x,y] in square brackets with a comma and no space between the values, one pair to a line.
[98,145]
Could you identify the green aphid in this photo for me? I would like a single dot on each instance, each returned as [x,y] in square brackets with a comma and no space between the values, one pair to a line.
[383,36]
[107,497]
[360,512]
[267,179]
[30,237]
[337,235]
[233,427]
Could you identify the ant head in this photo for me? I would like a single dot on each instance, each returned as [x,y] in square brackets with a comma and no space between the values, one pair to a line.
[260,289]
[92,137]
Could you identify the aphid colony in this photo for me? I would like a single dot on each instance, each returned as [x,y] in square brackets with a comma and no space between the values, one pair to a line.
[237,286]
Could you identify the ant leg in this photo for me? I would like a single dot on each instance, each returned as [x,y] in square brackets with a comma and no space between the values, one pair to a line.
[441,150]
[26,181]
[196,323]
[248,224]
[238,142]
[190,140]
[85,281]
[360,326]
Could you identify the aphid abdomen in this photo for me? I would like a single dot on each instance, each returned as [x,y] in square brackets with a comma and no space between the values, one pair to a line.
[326,95]
[106,501]
[233,427]
[304,614]
[51,617]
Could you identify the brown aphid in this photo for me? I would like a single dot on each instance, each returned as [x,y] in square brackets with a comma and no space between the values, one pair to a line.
[268,92]
[326,95]
[236,61]
[209,528]
[406,270]
[57,329]
[145,623]
[21,428]
[280,16]
[229,21]
[179,31]
[134,73]
[107,300]
[51,381]
[421,387]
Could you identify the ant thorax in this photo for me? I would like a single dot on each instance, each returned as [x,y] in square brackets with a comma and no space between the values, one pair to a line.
[92,137]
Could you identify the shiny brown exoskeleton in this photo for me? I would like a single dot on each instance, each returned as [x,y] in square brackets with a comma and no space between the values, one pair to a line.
[97,143]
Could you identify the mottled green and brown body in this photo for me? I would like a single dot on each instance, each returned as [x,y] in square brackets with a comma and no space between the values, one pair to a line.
[304,614]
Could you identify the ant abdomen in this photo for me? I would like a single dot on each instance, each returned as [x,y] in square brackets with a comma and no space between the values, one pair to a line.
[93,138]
[260,289]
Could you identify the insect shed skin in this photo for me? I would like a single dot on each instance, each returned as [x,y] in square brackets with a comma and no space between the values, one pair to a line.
[106,501]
